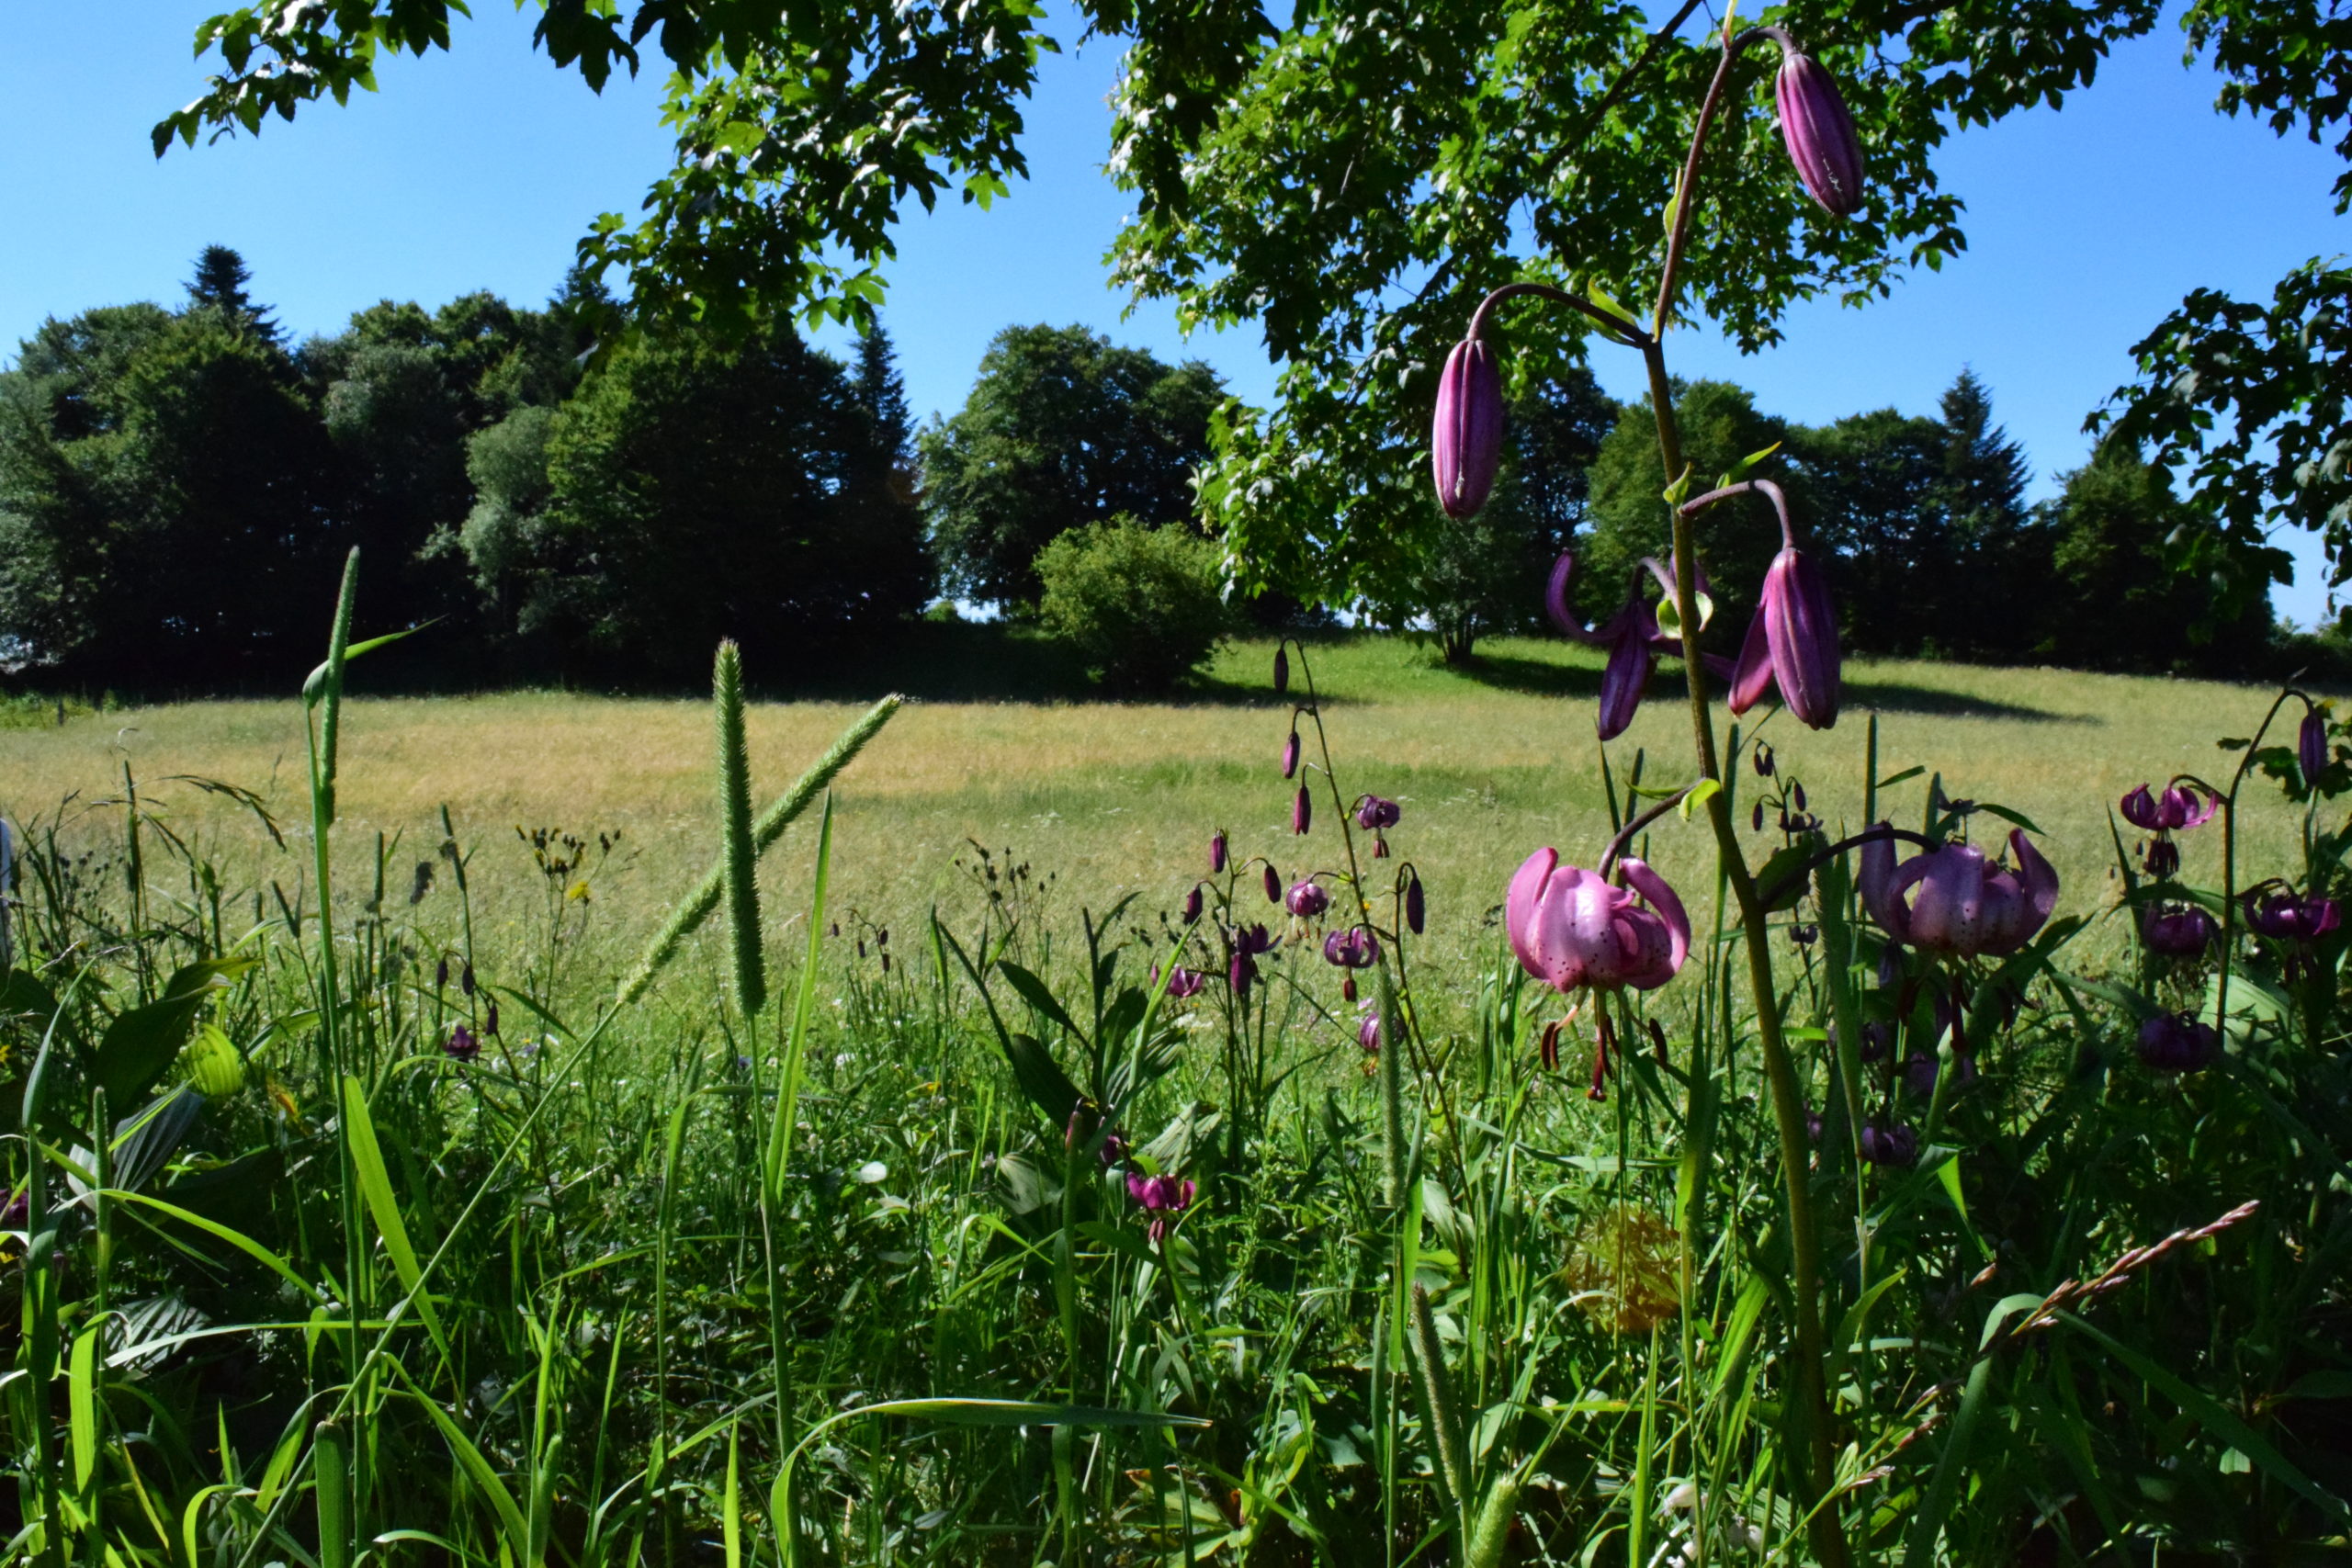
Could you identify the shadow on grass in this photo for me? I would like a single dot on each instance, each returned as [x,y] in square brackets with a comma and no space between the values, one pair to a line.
[965,661]
[1541,678]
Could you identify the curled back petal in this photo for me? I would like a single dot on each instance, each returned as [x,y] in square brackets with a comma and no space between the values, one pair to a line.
[1654,890]
[1751,675]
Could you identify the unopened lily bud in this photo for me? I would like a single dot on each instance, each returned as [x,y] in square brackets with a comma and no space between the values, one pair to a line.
[1216,852]
[1819,133]
[1368,1032]
[1290,756]
[1466,445]
[1348,989]
[1282,671]
[1273,886]
[1415,906]
[1193,904]
[2310,748]
[490,1020]
[1302,811]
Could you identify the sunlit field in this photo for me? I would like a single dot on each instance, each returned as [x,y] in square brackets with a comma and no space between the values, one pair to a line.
[1112,798]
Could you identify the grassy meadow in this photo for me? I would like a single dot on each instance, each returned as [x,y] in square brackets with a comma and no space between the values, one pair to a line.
[1111,799]
[998,1256]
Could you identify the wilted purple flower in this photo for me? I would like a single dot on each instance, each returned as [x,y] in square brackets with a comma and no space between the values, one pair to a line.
[1306,899]
[1282,669]
[1290,755]
[1273,886]
[1252,938]
[2177,931]
[1792,641]
[1368,1032]
[1416,909]
[462,1047]
[1571,928]
[1371,812]
[1192,903]
[1894,1146]
[2181,806]
[1818,130]
[2310,747]
[1302,811]
[1467,439]
[1162,1197]
[1966,905]
[1354,948]
[1216,852]
[2287,915]
[2177,1042]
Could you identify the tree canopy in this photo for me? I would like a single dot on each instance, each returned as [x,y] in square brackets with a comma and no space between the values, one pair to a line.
[1063,428]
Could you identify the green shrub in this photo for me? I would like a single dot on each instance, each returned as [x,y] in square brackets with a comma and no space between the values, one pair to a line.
[1144,606]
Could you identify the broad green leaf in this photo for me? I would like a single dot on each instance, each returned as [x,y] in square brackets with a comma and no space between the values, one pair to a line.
[375,1187]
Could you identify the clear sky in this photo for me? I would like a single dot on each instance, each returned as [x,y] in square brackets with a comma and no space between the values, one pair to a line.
[480,168]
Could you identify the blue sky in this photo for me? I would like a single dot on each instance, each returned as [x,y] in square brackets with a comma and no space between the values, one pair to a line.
[480,168]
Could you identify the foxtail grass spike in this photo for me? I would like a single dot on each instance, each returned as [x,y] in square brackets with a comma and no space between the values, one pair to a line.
[740,860]
[696,906]
[331,1485]
[1437,1397]
[1492,1532]
[330,692]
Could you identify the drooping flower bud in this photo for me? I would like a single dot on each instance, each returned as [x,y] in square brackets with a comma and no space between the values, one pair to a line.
[1216,852]
[466,980]
[1374,813]
[441,975]
[2310,747]
[1368,1033]
[1282,671]
[490,1020]
[1819,133]
[1466,443]
[1415,906]
[1290,755]
[1348,989]
[1302,811]
[1193,904]
[1273,886]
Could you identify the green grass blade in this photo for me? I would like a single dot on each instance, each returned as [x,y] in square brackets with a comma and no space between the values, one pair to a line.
[375,1187]
[787,1096]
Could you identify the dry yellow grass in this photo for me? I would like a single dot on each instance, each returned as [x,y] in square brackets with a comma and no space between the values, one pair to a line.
[1119,798]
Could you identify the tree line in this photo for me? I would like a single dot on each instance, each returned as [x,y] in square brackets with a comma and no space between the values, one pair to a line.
[178,488]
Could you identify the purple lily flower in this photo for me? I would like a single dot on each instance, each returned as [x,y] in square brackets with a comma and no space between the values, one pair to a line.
[1466,441]
[1792,641]
[2287,915]
[1354,948]
[1371,812]
[462,1047]
[2177,931]
[2310,747]
[2177,1042]
[1818,130]
[1965,904]
[1569,927]
[1630,635]
[1306,899]
[2180,807]
[1182,983]
[1896,1145]
[1162,1197]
